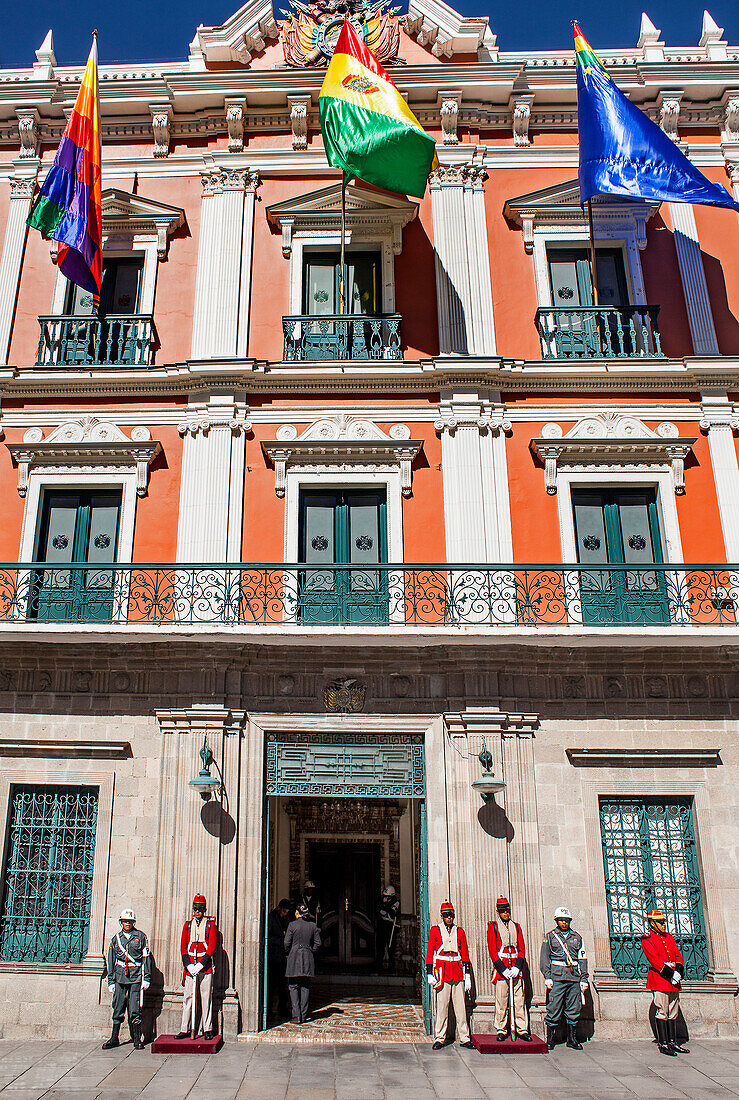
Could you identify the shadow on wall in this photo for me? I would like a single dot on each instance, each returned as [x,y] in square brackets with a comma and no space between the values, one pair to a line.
[416,292]
[726,324]
[493,821]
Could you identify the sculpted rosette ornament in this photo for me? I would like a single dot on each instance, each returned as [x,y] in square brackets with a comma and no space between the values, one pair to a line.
[310,32]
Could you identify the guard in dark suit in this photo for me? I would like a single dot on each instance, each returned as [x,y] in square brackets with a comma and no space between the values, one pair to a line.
[302,940]
[129,972]
[387,930]
[565,968]
[276,958]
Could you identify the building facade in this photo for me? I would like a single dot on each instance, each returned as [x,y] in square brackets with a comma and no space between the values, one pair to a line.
[350,550]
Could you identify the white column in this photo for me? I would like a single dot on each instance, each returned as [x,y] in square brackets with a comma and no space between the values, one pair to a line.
[720,421]
[22,184]
[477,516]
[693,278]
[463,285]
[212,482]
[223,280]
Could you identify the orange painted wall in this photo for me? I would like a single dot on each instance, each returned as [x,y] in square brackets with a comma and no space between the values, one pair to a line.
[423,512]
[34,297]
[155,532]
[534,517]
[663,286]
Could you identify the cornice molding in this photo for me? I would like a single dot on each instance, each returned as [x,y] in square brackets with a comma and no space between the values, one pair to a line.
[611,438]
[75,750]
[680,757]
[345,439]
[86,442]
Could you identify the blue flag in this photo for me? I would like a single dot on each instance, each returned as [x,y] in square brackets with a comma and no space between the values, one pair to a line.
[622,152]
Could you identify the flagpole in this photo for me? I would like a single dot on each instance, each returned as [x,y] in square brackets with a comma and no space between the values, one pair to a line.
[593,264]
[343,241]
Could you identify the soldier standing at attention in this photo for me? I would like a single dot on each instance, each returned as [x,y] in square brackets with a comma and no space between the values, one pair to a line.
[197,947]
[565,968]
[448,971]
[129,972]
[664,979]
[507,952]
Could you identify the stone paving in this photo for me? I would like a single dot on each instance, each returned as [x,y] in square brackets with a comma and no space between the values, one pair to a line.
[33,1069]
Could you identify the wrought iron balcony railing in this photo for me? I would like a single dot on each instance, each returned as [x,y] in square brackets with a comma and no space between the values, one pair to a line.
[335,337]
[68,341]
[599,332]
[396,596]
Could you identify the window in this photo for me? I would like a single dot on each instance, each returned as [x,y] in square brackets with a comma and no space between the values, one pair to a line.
[620,527]
[48,874]
[343,527]
[100,338]
[649,858]
[120,292]
[77,528]
[580,330]
[322,276]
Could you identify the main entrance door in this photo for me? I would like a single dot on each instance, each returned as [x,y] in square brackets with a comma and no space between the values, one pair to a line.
[347,876]
[347,811]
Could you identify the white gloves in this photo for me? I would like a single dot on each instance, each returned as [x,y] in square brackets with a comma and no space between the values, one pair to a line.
[515,972]
[194,969]
[145,986]
[675,979]
[507,973]
[583,986]
[548,983]
[111,988]
[431,979]
[467,983]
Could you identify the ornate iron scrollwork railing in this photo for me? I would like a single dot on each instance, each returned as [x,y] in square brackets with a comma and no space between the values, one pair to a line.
[67,341]
[599,332]
[396,596]
[335,337]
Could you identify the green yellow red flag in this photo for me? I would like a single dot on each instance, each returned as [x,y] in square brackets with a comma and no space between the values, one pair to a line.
[368,129]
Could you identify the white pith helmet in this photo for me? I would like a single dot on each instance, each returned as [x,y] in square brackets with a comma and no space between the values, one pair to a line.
[127,914]
[389,891]
[562,913]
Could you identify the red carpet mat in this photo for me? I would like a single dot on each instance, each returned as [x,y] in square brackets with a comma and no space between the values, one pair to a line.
[488,1044]
[167,1044]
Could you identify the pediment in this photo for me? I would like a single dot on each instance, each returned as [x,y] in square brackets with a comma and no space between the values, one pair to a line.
[322,209]
[118,204]
[243,34]
[566,196]
[434,23]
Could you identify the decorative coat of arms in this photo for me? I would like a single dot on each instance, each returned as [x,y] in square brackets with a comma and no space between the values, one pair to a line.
[310,32]
[344,696]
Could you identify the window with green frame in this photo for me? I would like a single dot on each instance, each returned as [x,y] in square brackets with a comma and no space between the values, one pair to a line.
[650,862]
[47,893]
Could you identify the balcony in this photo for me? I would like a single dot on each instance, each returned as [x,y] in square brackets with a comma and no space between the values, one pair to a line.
[334,337]
[499,599]
[599,332]
[123,340]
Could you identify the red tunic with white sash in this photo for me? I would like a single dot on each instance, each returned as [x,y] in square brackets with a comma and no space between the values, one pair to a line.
[447,951]
[199,938]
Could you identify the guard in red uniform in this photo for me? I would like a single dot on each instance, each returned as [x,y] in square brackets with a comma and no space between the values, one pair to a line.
[197,946]
[448,970]
[507,952]
[664,979]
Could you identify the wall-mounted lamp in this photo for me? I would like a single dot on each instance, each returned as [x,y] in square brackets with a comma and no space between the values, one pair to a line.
[205,783]
[488,784]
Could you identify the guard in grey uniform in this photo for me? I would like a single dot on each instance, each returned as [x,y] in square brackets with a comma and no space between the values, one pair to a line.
[129,972]
[565,968]
[302,940]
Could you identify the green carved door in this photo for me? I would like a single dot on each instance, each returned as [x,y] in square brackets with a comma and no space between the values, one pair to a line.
[77,528]
[343,534]
[99,335]
[576,332]
[620,527]
[327,338]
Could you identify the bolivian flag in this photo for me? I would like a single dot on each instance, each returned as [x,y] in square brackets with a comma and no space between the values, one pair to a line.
[368,129]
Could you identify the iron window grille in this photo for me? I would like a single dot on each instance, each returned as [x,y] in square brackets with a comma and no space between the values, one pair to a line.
[45,914]
[650,862]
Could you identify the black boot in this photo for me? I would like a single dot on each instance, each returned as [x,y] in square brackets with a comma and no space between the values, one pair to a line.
[672,1037]
[572,1042]
[138,1043]
[663,1042]
[550,1036]
[113,1040]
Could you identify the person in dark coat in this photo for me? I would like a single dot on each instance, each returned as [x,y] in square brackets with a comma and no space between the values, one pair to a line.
[302,940]
[276,958]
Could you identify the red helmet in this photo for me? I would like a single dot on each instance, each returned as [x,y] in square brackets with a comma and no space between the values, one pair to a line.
[198,901]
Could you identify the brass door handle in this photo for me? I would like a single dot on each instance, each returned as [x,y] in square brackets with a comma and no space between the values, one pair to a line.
[346,904]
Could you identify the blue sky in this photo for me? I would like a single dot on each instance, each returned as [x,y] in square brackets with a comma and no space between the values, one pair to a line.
[160,30]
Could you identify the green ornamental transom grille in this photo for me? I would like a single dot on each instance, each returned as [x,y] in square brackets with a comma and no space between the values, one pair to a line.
[45,913]
[650,862]
[345,766]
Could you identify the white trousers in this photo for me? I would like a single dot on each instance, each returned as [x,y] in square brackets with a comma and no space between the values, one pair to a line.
[667,1004]
[205,981]
[455,991]
[502,997]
